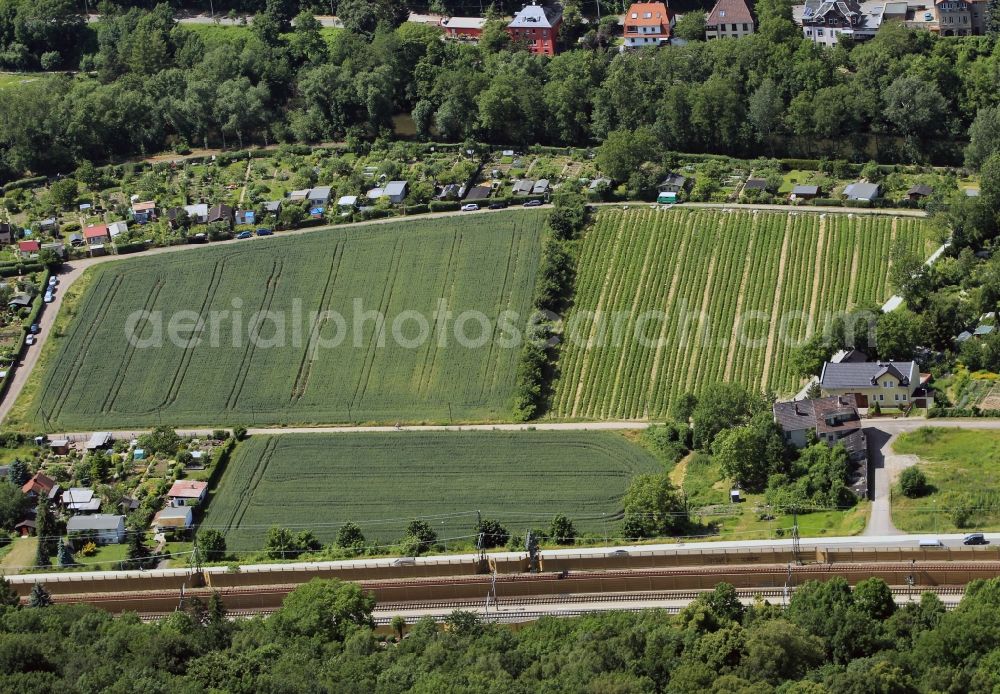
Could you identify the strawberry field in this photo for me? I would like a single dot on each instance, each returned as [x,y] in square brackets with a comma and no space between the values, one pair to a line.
[382,481]
[669,301]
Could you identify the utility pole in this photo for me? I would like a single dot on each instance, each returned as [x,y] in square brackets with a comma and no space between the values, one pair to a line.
[788,585]
[795,536]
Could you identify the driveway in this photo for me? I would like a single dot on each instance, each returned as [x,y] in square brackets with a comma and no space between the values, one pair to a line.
[886,465]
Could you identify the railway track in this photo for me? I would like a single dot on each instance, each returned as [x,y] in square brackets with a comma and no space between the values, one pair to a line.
[511,606]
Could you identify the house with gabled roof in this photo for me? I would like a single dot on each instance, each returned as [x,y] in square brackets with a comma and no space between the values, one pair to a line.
[469,28]
[825,21]
[184,491]
[28,246]
[537,26]
[102,527]
[40,484]
[832,420]
[888,383]
[729,19]
[647,24]
[862,190]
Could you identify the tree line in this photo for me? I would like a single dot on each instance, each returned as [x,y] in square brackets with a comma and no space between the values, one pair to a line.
[154,84]
[831,638]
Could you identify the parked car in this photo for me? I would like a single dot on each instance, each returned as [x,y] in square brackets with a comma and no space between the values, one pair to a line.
[975,539]
[244,234]
[498,206]
[49,297]
[264,231]
[34,329]
[30,340]
[471,207]
[53,281]
[533,203]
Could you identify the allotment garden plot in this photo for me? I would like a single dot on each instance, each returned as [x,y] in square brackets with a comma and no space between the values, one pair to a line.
[381,481]
[659,294]
[100,378]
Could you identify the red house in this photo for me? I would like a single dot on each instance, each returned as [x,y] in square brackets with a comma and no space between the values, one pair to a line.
[538,27]
[97,234]
[28,247]
[470,28]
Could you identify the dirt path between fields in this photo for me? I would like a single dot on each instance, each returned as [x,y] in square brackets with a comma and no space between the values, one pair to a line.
[817,273]
[772,328]
[740,297]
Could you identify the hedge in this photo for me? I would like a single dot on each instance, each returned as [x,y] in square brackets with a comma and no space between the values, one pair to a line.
[134,247]
[25,183]
[444,206]
[936,412]
[416,209]
[801,164]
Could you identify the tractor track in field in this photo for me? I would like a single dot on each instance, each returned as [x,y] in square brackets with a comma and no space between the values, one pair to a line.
[378,335]
[92,329]
[265,305]
[308,356]
[175,385]
[116,386]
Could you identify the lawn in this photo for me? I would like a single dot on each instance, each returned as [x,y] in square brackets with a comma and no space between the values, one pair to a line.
[381,481]
[444,352]
[669,288]
[963,469]
[705,488]
[20,556]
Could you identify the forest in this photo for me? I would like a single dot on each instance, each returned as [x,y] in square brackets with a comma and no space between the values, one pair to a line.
[831,638]
[137,82]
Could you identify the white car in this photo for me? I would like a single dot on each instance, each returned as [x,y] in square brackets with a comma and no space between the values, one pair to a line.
[29,340]
[471,207]
[48,297]
[53,281]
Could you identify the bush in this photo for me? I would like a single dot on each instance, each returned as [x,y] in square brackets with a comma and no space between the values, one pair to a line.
[961,514]
[913,483]
[444,205]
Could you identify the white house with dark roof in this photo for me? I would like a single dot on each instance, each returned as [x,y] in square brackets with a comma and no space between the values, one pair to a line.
[888,383]
[104,528]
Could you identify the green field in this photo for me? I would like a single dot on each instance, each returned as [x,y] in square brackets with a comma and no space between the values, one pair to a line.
[381,481]
[96,378]
[678,279]
[963,469]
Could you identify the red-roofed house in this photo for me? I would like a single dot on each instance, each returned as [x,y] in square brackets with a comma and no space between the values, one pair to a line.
[40,484]
[183,491]
[729,19]
[28,247]
[470,28]
[97,234]
[647,24]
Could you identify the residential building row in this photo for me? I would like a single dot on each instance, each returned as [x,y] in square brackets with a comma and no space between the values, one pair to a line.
[825,21]
[851,384]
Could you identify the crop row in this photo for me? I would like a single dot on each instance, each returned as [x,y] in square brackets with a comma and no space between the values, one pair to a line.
[672,301]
